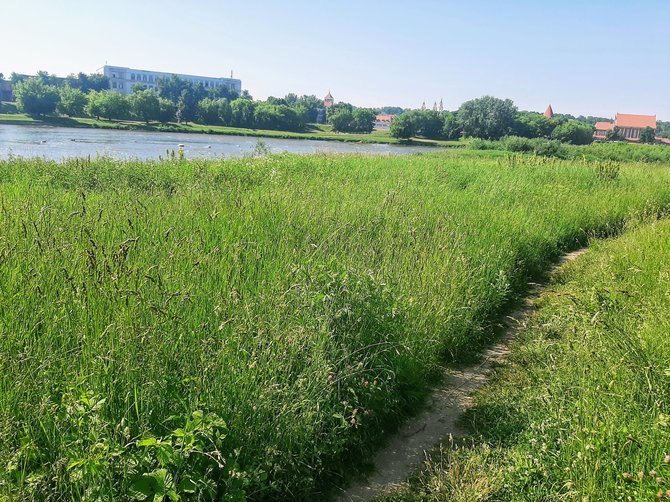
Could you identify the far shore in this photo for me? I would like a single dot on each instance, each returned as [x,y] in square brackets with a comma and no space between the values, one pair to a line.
[314,132]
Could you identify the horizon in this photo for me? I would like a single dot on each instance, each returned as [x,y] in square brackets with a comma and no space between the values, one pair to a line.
[385,55]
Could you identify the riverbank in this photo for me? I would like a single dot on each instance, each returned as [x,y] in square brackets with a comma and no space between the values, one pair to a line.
[315,132]
[256,326]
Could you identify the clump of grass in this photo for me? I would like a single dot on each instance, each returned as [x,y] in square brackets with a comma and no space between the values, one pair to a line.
[284,313]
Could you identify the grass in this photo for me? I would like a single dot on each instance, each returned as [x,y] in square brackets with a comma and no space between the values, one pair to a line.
[253,327]
[617,152]
[582,412]
[314,132]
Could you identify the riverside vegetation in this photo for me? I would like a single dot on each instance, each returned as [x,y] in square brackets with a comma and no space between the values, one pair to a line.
[581,412]
[250,328]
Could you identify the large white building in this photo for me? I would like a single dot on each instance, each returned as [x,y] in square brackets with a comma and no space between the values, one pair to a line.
[122,79]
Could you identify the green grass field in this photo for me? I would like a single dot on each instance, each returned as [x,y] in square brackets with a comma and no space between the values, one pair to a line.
[582,412]
[254,327]
[315,132]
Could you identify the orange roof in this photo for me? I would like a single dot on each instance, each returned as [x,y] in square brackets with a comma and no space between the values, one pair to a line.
[384,117]
[664,140]
[604,126]
[635,121]
[328,96]
[549,112]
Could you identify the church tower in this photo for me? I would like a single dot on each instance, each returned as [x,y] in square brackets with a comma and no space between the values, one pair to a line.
[328,101]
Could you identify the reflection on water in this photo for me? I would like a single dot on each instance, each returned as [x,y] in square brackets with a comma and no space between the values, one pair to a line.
[58,143]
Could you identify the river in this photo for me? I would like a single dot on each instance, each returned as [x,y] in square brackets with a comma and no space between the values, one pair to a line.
[58,143]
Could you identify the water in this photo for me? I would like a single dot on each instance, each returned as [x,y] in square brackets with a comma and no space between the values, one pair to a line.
[58,143]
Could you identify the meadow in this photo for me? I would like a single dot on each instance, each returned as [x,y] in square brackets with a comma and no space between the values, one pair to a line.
[581,412]
[251,328]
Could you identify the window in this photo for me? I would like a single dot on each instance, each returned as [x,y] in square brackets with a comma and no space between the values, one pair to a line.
[132,76]
[113,85]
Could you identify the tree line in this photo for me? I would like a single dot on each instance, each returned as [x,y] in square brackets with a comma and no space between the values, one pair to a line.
[176,100]
[489,118]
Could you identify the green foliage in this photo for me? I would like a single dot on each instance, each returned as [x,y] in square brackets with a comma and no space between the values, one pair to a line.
[487,117]
[280,295]
[614,134]
[34,97]
[403,126]
[87,82]
[108,104]
[535,125]
[166,111]
[647,135]
[72,102]
[360,120]
[144,105]
[242,112]
[451,130]
[574,132]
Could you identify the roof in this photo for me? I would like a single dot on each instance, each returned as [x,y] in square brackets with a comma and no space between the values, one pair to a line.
[329,96]
[549,112]
[604,126]
[382,117]
[636,121]
[663,140]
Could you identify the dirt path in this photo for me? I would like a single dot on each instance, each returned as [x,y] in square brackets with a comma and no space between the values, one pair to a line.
[445,405]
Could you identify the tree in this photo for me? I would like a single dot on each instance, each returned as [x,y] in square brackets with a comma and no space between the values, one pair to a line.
[364,120]
[534,125]
[208,111]
[403,127]
[166,111]
[35,97]
[87,83]
[430,124]
[647,135]
[107,104]
[72,102]
[451,130]
[341,120]
[242,111]
[574,132]
[144,105]
[487,117]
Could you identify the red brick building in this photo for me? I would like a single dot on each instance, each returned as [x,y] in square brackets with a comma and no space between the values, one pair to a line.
[630,126]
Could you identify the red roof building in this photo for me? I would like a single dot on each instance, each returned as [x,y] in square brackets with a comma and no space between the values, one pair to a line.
[549,113]
[383,121]
[631,126]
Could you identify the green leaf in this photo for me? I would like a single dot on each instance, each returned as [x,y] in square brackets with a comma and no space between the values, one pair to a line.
[187,486]
[142,487]
[147,442]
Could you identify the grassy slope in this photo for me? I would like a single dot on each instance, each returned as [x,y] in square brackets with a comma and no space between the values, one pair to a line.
[315,133]
[583,410]
[288,295]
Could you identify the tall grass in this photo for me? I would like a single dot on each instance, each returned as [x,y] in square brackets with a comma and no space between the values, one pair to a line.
[583,410]
[249,328]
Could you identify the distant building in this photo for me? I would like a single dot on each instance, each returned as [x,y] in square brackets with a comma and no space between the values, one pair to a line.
[630,126]
[549,113]
[328,101]
[383,121]
[122,79]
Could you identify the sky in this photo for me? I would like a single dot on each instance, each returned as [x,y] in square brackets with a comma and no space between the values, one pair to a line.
[584,57]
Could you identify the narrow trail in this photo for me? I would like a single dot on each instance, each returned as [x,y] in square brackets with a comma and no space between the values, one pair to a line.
[447,402]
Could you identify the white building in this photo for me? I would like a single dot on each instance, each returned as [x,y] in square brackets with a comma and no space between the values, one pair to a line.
[122,79]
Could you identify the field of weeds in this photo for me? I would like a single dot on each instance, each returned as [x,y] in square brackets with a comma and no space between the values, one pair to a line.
[251,328]
[582,411]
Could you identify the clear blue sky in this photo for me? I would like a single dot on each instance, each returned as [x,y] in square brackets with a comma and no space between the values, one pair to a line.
[590,57]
